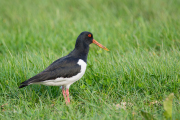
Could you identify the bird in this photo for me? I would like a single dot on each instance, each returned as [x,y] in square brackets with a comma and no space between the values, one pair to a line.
[68,69]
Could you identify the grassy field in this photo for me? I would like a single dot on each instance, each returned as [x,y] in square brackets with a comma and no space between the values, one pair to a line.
[131,81]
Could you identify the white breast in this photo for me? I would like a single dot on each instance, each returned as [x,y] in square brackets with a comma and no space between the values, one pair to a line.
[66,81]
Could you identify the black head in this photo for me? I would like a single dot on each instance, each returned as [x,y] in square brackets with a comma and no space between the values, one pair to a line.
[85,39]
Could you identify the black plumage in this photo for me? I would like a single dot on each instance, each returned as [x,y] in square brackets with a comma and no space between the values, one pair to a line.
[65,67]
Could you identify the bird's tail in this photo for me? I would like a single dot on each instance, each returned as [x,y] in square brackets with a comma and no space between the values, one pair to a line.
[24,84]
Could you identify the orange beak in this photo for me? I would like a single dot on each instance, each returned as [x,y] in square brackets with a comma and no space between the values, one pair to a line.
[98,44]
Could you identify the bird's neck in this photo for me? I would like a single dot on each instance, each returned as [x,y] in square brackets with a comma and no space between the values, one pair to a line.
[81,51]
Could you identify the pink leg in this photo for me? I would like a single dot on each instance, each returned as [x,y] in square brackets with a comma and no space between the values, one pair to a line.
[67,93]
[64,92]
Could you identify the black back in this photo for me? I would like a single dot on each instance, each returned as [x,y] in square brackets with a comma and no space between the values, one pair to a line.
[65,67]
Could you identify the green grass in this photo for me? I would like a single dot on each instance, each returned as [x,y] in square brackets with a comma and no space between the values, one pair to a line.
[141,69]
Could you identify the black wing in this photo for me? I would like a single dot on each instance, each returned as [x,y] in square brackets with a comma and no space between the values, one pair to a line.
[64,67]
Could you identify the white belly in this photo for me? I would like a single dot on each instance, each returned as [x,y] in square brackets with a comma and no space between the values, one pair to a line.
[66,81]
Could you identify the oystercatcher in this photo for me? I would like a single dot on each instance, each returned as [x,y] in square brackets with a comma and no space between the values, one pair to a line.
[68,69]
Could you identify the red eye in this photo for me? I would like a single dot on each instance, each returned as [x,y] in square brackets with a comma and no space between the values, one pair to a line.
[89,35]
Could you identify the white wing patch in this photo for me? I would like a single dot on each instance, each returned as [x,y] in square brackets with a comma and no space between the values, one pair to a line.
[66,81]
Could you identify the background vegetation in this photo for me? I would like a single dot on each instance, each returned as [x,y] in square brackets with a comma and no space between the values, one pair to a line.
[131,81]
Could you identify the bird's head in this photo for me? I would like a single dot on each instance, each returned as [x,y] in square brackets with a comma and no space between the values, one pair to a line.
[87,38]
